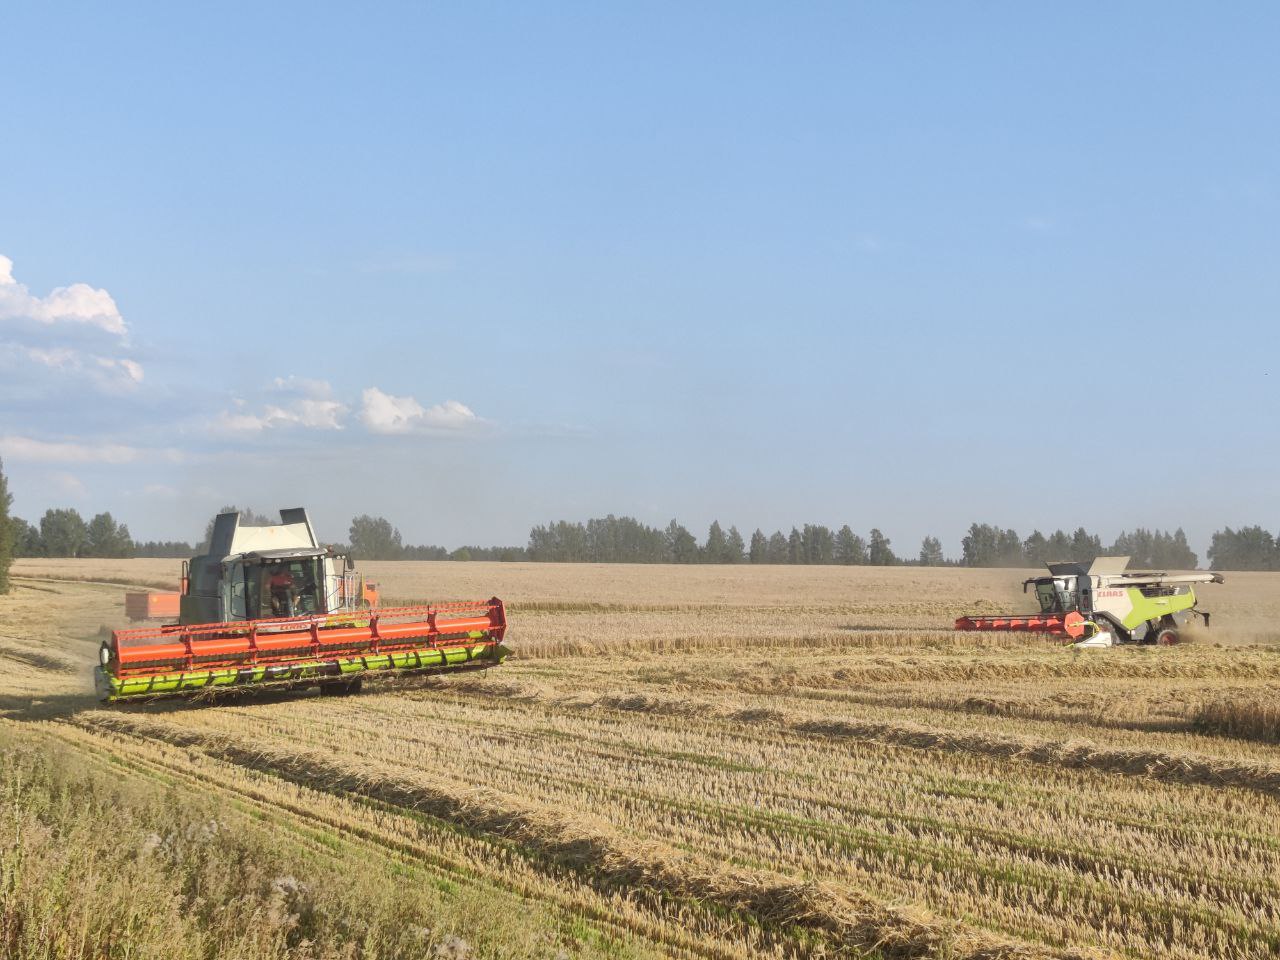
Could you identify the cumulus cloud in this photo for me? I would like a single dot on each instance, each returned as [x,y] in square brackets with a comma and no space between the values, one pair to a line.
[78,303]
[384,413]
[297,402]
[75,330]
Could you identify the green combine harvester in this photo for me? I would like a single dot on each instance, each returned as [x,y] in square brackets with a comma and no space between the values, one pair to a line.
[1102,604]
[269,605]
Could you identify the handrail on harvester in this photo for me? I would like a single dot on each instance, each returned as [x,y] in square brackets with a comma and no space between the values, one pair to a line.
[285,640]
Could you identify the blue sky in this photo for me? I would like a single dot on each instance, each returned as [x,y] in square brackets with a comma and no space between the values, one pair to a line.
[479,266]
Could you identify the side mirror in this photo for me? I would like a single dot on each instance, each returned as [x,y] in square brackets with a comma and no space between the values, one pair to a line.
[350,563]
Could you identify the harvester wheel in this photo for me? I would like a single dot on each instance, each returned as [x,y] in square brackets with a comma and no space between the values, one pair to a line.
[341,688]
[1166,636]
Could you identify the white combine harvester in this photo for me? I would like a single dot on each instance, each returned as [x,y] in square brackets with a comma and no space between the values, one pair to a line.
[1102,604]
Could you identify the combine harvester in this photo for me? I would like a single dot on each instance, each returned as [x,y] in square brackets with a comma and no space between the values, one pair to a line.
[271,606]
[1103,605]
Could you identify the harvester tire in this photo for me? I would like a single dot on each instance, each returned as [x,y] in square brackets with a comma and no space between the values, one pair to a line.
[1167,636]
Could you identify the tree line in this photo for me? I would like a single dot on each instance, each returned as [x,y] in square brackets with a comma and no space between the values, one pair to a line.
[63,532]
[374,538]
[989,546]
[1249,548]
[627,540]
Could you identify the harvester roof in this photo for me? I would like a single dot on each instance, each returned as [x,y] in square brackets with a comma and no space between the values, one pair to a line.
[1112,570]
[231,539]
[267,556]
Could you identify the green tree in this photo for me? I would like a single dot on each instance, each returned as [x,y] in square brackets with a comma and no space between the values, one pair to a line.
[1157,549]
[6,532]
[1137,546]
[759,552]
[1085,546]
[850,548]
[714,551]
[373,538]
[106,538]
[980,546]
[734,549]
[164,548]
[795,547]
[63,533]
[878,552]
[1035,550]
[559,542]
[931,552]
[1009,549]
[1057,547]
[462,553]
[1249,548]
[682,546]
[1179,555]
[778,551]
[25,539]
[622,540]
[819,544]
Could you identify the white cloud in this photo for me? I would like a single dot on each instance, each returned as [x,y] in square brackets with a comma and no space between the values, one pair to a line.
[230,422]
[75,331]
[108,373]
[316,414]
[384,413]
[298,402]
[308,405]
[131,368]
[19,449]
[31,450]
[76,304]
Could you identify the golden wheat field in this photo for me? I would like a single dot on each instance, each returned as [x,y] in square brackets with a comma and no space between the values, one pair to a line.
[713,762]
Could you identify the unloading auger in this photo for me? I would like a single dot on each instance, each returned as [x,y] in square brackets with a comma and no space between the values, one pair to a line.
[1102,604]
[271,606]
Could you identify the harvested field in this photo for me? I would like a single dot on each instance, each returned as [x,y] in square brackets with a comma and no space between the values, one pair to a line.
[696,762]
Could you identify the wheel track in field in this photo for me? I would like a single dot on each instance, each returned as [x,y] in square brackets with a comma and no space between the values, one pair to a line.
[136,751]
[1083,862]
[1092,867]
[613,864]
[1183,768]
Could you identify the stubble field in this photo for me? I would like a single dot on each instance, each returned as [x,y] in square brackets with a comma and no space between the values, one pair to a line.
[688,761]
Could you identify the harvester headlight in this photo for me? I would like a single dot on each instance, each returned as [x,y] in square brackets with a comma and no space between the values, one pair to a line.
[104,654]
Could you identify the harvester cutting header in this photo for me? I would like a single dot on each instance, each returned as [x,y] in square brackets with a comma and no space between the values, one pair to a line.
[1102,604]
[271,605]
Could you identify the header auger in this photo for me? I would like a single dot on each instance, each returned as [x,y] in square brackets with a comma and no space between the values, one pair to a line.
[271,606]
[1101,605]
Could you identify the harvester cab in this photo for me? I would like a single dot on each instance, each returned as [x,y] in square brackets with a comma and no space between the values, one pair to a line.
[261,572]
[1103,604]
[272,605]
